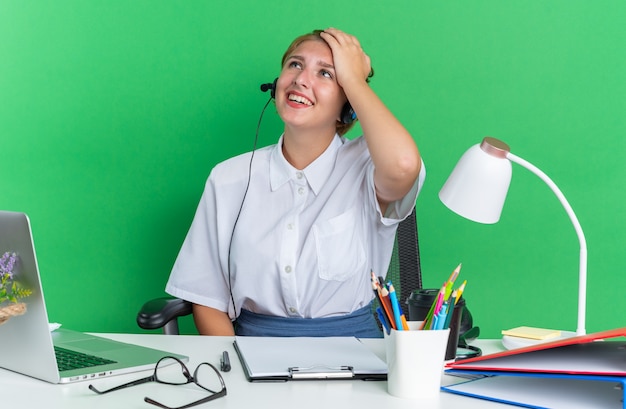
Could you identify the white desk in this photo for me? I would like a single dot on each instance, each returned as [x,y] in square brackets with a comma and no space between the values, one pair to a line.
[24,392]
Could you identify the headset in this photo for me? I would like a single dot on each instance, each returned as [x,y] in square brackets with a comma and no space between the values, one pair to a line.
[264,88]
[347,117]
[347,113]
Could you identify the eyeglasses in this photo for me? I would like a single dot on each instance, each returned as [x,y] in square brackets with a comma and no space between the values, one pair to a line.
[205,376]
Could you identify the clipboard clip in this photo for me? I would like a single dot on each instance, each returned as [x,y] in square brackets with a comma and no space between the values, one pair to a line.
[321,372]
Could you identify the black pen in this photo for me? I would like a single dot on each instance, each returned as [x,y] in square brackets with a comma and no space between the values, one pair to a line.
[225,362]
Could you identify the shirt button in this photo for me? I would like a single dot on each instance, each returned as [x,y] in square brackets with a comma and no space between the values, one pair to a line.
[299,175]
[292,310]
[300,190]
[288,269]
[290,226]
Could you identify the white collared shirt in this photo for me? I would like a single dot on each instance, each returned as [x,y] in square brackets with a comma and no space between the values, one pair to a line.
[305,241]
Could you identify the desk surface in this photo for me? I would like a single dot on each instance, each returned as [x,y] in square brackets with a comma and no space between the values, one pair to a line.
[21,391]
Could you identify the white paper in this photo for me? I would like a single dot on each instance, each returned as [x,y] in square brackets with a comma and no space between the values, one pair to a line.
[273,356]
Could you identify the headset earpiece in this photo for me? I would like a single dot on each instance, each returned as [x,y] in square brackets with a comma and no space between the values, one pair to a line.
[273,89]
[347,114]
[270,86]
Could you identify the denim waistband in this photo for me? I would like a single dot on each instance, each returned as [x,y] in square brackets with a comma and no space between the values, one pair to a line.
[360,323]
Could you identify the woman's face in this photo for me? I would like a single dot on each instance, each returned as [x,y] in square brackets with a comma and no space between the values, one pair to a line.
[307,92]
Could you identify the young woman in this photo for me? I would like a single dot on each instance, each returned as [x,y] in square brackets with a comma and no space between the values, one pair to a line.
[284,239]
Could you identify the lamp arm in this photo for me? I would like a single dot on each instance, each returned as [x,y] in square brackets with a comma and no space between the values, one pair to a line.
[582,274]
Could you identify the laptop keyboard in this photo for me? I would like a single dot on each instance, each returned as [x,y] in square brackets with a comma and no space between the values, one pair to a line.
[67,359]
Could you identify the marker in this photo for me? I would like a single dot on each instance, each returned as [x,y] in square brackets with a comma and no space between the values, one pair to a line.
[436,320]
[225,362]
[442,317]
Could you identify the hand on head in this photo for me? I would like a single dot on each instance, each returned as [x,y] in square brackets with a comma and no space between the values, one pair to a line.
[349,59]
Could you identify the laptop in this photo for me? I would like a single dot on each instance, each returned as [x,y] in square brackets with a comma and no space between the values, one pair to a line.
[28,346]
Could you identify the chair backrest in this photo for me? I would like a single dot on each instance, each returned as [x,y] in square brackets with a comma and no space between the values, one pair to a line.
[405,269]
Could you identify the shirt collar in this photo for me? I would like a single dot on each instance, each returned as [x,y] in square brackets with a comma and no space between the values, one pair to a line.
[316,173]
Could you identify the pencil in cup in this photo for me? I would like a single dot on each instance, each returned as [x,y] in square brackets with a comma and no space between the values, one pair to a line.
[398,314]
[382,295]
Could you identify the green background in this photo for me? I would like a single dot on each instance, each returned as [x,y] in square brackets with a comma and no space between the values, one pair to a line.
[112,114]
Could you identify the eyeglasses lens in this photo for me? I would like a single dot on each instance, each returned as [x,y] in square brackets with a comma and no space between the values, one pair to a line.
[208,378]
[172,371]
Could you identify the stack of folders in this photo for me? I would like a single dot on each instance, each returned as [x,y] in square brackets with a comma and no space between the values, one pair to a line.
[439,316]
[586,371]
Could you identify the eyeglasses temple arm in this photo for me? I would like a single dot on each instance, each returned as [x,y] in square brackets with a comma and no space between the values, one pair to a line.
[198,402]
[126,385]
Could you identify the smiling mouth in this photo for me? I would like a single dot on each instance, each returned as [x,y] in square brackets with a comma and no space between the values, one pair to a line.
[299,99]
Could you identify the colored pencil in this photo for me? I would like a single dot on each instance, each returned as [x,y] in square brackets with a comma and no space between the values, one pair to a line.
[395,307]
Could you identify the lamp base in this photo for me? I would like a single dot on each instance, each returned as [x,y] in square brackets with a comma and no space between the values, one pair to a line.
[511,342]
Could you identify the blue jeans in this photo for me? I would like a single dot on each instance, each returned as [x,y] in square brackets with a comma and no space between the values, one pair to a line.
[361,324]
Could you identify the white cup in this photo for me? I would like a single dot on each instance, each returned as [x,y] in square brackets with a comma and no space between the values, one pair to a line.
[415,360]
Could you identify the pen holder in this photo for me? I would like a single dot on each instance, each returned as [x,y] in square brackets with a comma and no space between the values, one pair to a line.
[420,302]
[415,361]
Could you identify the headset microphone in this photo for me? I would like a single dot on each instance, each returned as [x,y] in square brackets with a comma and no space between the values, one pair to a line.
[270,86]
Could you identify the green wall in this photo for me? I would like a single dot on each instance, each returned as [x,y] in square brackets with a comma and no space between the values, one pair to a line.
[112,114]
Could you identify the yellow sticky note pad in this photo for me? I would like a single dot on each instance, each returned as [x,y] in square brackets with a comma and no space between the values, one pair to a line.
[532,333]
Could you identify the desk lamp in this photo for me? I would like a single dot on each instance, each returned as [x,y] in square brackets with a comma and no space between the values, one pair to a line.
[477,187]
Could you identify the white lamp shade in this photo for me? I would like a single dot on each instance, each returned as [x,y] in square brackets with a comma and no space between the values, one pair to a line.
[477,187]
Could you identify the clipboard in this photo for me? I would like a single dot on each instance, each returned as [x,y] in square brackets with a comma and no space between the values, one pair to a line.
[592,354]
[539,390]
[307,358]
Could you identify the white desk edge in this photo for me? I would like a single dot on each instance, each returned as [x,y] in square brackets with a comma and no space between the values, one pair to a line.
[25,392]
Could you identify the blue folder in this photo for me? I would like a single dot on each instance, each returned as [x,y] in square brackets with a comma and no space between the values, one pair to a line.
[541,390]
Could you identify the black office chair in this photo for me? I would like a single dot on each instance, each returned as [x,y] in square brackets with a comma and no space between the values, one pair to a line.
[404,271]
